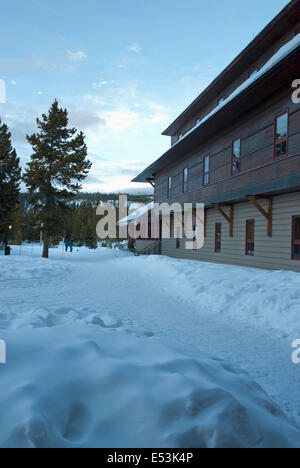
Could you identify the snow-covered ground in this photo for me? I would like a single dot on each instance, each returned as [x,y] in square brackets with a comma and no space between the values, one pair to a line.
[107,349]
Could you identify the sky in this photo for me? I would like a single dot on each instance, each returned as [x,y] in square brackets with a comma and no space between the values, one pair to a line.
[123,69]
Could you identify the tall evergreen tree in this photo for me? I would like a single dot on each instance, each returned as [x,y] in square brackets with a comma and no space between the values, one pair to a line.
[57,166]
[10,177]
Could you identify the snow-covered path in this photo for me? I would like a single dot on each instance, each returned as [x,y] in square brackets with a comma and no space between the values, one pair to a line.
[158,295]
[201,310]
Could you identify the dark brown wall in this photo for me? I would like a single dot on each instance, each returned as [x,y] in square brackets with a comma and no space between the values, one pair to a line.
[256,131]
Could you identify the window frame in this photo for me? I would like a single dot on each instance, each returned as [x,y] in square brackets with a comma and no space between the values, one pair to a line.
[281,140]
[169,189]
[294,241]
[204,172]
[238,159]
[248,240]
[218,251]
[185,183]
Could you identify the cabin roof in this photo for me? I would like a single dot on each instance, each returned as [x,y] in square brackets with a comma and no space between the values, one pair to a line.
[277,71]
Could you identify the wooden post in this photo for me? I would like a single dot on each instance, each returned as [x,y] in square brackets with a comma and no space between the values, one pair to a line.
[268,215]
[229,218]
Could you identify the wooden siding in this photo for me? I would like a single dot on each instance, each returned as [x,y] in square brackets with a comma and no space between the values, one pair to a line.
[270,253]
[258,166]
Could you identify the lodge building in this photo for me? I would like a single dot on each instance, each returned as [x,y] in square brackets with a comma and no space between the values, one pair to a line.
[236,149]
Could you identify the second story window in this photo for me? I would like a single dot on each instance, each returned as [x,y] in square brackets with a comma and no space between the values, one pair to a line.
[236,157]
[206,170]
[185,181]
[169,191]
[281,135]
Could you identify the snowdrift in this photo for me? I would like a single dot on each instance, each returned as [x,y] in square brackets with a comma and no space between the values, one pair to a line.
[101,385]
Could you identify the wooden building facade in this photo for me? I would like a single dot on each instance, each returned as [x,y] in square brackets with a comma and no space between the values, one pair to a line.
[236,149]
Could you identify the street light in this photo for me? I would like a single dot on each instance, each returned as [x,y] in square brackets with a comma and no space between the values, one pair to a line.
[7,248]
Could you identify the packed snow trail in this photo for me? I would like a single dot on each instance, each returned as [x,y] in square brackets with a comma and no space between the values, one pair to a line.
[200,310]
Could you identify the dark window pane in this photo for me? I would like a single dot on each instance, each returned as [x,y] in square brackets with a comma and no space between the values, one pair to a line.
[297,229]
[236,166]
[281,149]
[297,251]
[250,248]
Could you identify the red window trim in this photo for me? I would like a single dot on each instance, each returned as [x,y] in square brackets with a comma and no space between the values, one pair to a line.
[281,140]
[294,242]
[247,238]
[169,190]
[205,173]
[216,239]
[239,159]
[185,184]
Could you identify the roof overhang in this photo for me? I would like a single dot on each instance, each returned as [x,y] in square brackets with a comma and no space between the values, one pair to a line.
[280,25]
[278,78]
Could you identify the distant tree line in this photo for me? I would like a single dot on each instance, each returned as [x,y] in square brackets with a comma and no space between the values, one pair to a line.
[54,206]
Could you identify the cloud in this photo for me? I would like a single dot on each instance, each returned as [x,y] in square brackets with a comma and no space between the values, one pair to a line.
[101,84]
[77,56]
[84,119]
[13,82]
[134,48]
[91,180]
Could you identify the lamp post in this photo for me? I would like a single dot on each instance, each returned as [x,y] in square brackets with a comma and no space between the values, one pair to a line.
[6,246]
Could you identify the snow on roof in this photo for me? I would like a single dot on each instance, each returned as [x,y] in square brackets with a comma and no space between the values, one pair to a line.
[137,214]
[274,60]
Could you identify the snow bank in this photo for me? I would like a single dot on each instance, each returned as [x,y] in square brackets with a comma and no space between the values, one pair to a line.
[262,298]
[77,377]
[104,386]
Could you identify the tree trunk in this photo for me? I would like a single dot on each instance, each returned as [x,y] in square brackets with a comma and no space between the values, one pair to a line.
[46,246]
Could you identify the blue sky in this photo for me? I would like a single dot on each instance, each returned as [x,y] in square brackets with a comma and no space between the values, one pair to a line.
[124,69]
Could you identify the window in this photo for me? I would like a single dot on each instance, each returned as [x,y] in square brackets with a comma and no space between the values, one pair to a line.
[218,237]
[281,135]
[185,180]
[236,157]
[296,238]
[169,192]
[250,235]
[206,170]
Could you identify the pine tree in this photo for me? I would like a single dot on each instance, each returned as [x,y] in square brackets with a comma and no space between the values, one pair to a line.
[57,166]
[10,178]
